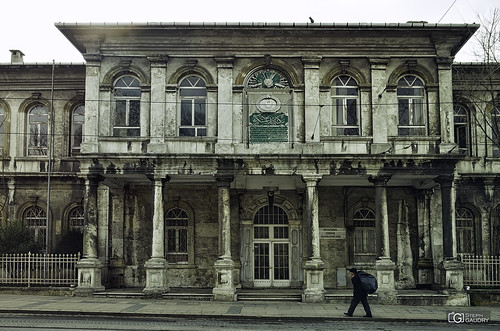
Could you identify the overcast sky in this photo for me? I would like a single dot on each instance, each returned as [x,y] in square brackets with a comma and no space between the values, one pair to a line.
[28,25]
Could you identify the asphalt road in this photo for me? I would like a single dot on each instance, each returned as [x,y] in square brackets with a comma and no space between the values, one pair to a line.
[75,322]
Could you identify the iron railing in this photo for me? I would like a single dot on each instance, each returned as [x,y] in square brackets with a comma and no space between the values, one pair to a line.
[39,269]
[481,271]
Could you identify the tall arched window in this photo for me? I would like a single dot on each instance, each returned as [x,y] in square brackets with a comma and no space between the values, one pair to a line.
[127,118]
[495,125]
[76,219]
[77,128]
[193,112]
[462,129]
[176,235]
[38,126]
[465,231]
[2,129]
[345,95]
[35,218]
[411,106]
[364,236]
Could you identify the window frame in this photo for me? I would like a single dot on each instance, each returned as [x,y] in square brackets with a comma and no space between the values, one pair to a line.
[129,101]
[75,147]
[465,125]
[36,214]
[412,101]
[76,215]
[463,215]
[344,128]
[367,234]
[495,127]
[172,256]
[35,145]
[191,101]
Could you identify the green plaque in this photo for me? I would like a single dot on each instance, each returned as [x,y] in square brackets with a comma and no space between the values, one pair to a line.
[268,127]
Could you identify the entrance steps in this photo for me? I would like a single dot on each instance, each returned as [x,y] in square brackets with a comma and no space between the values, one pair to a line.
[343,296]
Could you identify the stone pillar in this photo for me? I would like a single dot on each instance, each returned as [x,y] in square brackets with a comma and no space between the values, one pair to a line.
[405,257]
[311,98]
[380,100]
[93,68]
[224,289]
[156,266]
[425,263]
[225,104]
[117,265]
[314,266]
[158,104]
[446,106]
[89,267]
[384,265]
[452,276]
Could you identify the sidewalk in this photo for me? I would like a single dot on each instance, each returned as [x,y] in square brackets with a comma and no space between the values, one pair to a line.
[20,303]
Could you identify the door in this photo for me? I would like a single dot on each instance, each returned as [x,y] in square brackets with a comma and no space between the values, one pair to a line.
[271,248]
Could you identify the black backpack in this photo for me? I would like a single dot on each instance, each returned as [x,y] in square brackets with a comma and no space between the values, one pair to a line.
[368,281]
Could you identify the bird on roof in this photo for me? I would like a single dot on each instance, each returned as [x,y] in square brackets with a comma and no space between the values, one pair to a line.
[311,19]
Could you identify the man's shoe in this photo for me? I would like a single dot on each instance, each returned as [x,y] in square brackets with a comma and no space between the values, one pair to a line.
[347,314]
[369,316]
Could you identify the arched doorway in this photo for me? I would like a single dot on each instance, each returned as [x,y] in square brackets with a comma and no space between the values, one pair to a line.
[271,247]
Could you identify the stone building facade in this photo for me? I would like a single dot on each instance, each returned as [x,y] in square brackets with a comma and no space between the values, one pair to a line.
[231,156]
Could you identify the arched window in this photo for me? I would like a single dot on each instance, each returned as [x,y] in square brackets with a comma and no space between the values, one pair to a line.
[495,125]
[76,219]
[465,231]
[411,106]
[127,96]
[364,236]
[177,236]
[77,128]
[462,129]
[38,125]
[345,94]
[35,219]
[2,129]
[193,112]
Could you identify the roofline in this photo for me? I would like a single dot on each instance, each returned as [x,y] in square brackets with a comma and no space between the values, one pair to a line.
[416,24]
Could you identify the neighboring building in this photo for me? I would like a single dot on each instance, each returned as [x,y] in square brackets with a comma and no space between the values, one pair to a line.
[253,155]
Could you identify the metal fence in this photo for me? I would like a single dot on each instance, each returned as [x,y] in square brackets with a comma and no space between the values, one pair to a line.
[481,271]
[39,269]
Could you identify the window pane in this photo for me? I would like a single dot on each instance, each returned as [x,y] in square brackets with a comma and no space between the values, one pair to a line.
[352,114]
[186,112]
[403,110]
[418,114]
[135,113]
[187,132]
[201,132]
[199,112]
[121,113]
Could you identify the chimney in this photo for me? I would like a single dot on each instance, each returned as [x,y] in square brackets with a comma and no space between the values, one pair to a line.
[16,56]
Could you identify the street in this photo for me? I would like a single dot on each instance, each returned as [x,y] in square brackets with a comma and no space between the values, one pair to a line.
[86,322]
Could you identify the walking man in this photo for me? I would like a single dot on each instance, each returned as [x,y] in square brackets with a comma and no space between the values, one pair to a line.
[359,294]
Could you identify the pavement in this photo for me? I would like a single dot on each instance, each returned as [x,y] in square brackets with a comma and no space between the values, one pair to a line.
[147,307]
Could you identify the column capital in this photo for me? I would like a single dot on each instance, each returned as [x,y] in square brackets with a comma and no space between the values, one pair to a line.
[224,62]
[379,180]
[312,179]
[445,180]
[92,59]
[159,178]
[159,61]
[223,180]
[311,62]
[379,63]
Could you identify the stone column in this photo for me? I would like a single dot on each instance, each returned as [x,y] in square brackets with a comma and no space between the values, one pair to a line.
[452,275]
[156,266]
[311,98]
[224,289]
[314,266]
[446,106]
[225,104]
[89,267]
[384,265]
[425,264]
[380,100]
[93,69]
[158,104]
[117,265]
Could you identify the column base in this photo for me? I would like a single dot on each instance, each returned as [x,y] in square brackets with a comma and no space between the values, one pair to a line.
[117,273]
[447,148]
[224,289]
[156,277]
[315,290]
[89,147]
[452,274]
[157,147]
[89,277]
[425,272]
[386,291]
[381,148]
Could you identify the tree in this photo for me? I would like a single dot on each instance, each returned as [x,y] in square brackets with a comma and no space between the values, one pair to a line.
[15,238]
[70,242]
[477,85]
